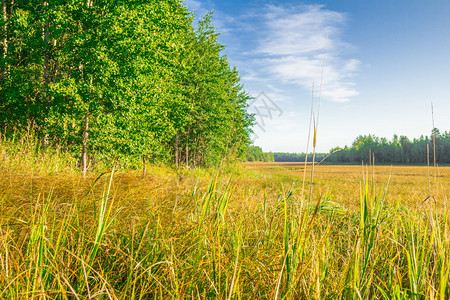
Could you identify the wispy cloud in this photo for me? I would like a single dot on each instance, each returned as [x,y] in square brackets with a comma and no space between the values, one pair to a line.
[284,44]
[193,4]
[291,46]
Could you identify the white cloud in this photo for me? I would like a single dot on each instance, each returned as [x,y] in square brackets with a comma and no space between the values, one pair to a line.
[193,4]
[292,45]
[293,32]
[285,44]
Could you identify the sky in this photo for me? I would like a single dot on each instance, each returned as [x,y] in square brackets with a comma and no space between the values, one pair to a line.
[362,67]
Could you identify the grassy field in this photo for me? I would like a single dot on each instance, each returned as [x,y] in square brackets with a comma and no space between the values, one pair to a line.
[252,231]
[409,185]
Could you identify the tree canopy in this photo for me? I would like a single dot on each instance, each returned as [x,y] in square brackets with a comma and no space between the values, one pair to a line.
[123,78]
[255,153]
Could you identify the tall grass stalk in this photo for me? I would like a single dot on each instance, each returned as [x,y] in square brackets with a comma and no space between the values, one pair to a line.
[104,218]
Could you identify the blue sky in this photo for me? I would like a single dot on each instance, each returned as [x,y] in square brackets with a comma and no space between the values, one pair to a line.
[386,61]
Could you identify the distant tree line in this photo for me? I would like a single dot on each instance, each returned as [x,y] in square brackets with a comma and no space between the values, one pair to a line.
[297,157]
[399,150]
[255,153]
[112,78]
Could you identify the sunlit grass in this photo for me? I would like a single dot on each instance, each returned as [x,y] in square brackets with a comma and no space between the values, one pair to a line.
[238,232]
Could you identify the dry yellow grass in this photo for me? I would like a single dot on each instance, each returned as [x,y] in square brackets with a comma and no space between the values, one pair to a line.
[410,185]
[248,232]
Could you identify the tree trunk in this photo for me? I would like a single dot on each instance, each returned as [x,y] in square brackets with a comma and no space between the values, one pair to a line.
[5,29]
[5,38]
[194,159]
[46,47]
[177,154]
[85,141]
[144,169]
[56,66]
[187,155]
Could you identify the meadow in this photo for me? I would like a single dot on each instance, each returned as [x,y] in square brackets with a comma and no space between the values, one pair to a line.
[242,231]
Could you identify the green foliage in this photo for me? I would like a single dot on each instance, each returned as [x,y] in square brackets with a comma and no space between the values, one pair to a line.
[297,157]
[255,153]
[153,86]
